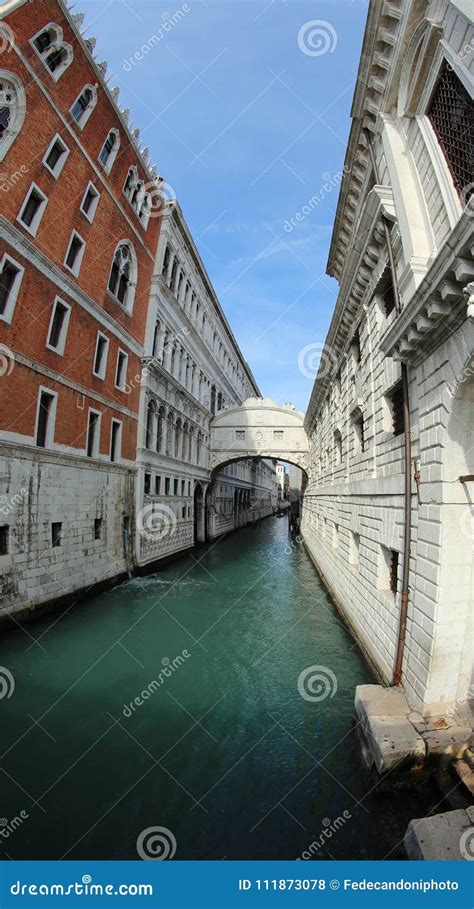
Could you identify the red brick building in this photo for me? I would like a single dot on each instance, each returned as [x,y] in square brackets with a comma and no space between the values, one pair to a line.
[78,239]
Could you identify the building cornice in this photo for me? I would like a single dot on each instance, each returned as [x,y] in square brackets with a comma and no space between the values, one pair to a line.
[75,21]
[386,21]
[366,262]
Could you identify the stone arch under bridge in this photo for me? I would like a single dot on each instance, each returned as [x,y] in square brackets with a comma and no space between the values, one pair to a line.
[259,428]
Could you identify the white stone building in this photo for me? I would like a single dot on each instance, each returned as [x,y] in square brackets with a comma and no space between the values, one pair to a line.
[406,190]
[192,369]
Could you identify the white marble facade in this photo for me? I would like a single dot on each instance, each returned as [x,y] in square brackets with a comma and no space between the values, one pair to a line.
[192,369]
[416,57]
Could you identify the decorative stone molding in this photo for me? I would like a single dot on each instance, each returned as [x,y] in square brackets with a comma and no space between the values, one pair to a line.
[439,304]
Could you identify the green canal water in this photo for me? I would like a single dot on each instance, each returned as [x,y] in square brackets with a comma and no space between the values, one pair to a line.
[223,751]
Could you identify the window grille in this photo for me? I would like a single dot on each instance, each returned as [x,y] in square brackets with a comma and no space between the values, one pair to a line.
[451,116]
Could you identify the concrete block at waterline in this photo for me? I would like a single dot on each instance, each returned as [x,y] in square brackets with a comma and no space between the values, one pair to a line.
[440,838]
[375,700]
[393,741]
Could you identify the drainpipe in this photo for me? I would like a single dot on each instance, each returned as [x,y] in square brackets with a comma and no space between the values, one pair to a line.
[397,672]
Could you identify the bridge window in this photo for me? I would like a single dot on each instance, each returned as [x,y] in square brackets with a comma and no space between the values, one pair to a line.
[240,434]
[278,435]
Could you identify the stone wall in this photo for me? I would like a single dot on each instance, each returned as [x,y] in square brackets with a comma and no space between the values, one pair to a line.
[87,499]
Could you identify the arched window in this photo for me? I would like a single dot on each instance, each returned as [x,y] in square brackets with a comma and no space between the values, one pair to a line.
[178,438]
[170,433]
[160,436]
[185,441]
[136,194]
[109,150]
[157,341]
[191,444]
[173,359]
[84,105]
[198,447]
[145,210]
[55,53]
[166,261]
[12,110]
[123,275]
[173,273]
[150,424]
[130,182]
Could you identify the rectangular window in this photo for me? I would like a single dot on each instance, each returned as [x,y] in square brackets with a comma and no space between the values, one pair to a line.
[4,539]
[157,485]
[93,434]
[75,253]
[167,486]
[175,487]
[183,487]
[147,484]
[10,280]
[393,570]
[115,440]
[355,350]
[386,293]
[396,409]
[32,209]
[58,326]
[90,202]
[97,528]
[183,511]
[388,570]
[45,419]
[359,436]
[55,157]
[56,533]
[121,370]
[100,359]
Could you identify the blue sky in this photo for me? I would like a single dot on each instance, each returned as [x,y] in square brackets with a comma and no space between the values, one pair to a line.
[247,123]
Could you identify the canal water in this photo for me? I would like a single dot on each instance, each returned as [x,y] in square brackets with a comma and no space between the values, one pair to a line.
[237,745]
